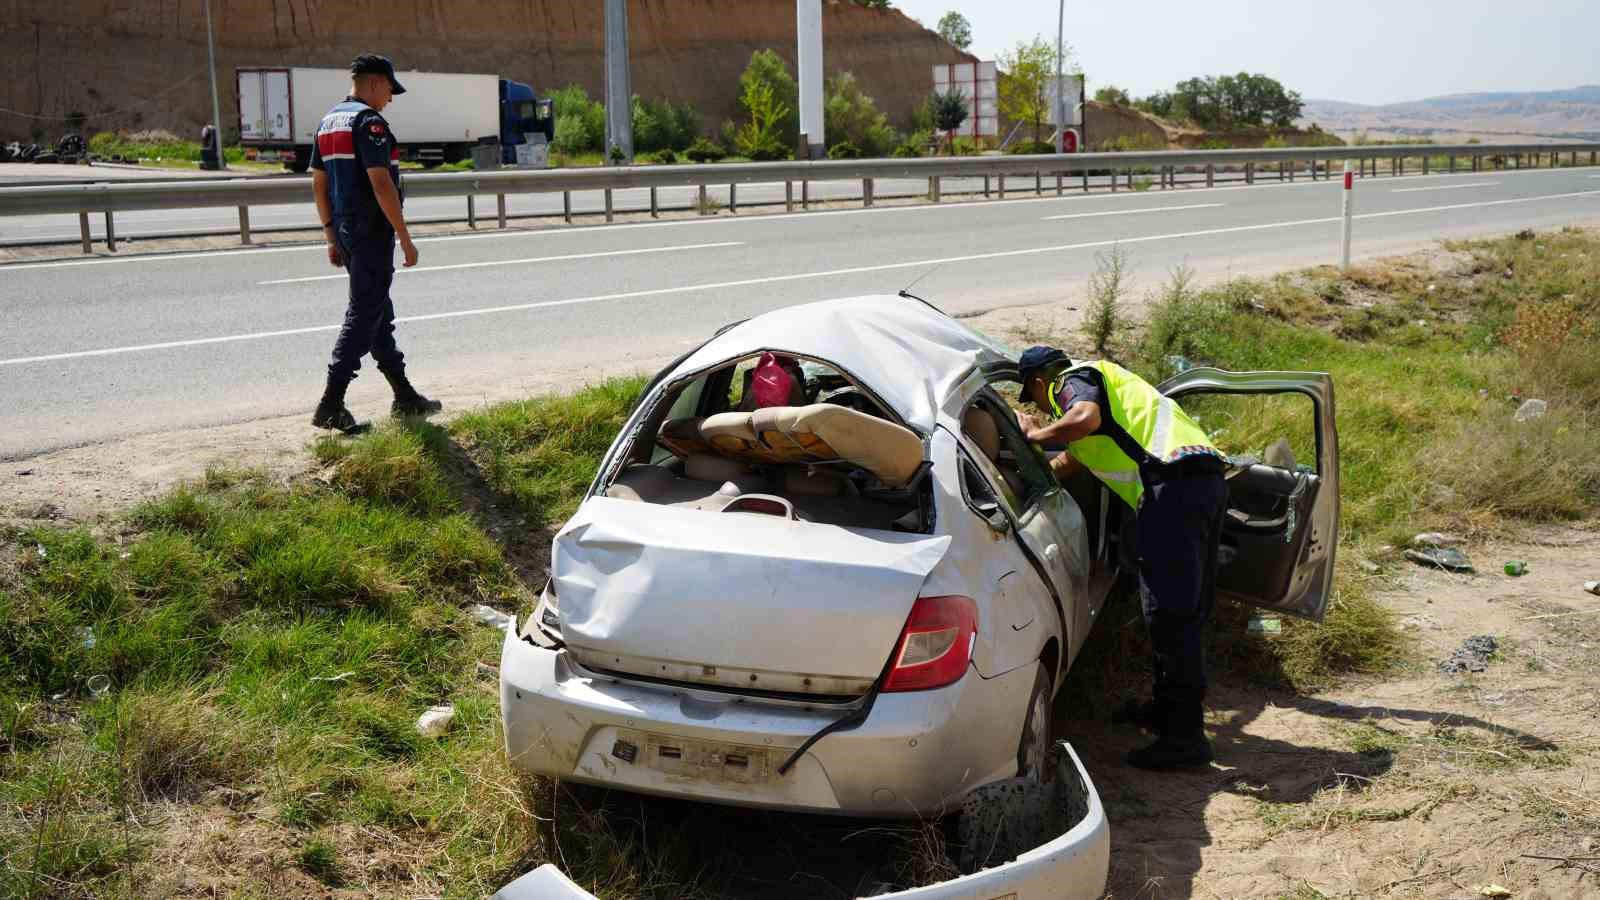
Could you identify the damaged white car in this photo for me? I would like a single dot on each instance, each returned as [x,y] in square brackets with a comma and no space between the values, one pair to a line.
[862,599]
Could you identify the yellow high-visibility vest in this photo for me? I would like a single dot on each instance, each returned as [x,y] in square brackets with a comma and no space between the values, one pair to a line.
[1154,421]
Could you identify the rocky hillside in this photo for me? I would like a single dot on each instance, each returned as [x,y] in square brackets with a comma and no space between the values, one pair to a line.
[143,64]
[1571,114]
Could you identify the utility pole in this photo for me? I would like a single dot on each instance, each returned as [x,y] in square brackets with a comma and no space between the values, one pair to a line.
[1061,87]
[216,109]
[808,31]
[619,92]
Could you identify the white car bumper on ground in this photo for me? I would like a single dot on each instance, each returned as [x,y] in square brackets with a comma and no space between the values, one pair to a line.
[912,756]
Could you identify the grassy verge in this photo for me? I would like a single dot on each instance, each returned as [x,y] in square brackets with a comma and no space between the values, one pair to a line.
[224,686]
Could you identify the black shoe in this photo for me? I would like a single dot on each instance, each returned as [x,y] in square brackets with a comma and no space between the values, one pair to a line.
[414,405]
[1144,715]
[336,418]
[1172,753]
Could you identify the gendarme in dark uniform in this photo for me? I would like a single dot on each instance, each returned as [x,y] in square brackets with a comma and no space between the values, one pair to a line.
[356,182]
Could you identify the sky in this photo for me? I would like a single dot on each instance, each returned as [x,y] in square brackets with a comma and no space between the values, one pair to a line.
[1360,51]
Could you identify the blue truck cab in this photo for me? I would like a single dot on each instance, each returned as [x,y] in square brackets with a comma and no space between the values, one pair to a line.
[522,112]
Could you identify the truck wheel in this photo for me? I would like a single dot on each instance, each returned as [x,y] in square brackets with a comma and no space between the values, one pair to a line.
[1033,751]
[300,162]
[454,153]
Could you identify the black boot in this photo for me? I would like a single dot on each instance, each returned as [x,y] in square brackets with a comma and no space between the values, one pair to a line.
[1180,732]
[331,413]
[1144,715]
[407,402]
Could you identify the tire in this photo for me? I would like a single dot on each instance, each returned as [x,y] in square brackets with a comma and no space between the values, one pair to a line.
[1033,750]
[301,161]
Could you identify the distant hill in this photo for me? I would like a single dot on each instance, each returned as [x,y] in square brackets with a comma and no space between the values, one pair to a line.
[1568,114]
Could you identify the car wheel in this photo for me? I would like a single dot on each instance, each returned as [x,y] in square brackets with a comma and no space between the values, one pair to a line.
[1034,749]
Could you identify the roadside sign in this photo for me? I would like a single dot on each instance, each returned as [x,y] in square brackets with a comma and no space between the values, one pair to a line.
[1069,140]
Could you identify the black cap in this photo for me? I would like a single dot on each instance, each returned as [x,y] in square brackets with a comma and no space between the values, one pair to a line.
[1036,358]
[373,64]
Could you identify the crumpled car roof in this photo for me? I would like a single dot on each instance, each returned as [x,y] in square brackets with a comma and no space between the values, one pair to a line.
[910,354]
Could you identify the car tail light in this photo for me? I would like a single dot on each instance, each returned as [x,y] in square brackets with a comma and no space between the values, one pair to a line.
[935,646]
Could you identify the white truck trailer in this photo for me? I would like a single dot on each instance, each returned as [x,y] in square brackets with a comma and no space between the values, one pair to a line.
[438,119]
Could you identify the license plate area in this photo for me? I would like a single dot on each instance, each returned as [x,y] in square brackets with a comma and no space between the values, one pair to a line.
[711,762]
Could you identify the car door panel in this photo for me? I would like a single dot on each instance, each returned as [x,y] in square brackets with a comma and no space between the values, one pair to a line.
[1282,526]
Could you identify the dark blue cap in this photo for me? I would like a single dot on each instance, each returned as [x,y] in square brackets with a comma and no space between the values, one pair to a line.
[373,64]
[1036,358]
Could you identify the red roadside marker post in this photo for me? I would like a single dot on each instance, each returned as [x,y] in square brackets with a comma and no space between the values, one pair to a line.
[1349,186]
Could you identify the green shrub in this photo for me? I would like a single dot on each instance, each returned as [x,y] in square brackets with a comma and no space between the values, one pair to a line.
[663,126]
[704,151]
[666,157]
[767,68]
[844,150]
[1107,286]
[851,117]
[1023,148]
[580,122]
[911,148]
[965,146]
[761,138]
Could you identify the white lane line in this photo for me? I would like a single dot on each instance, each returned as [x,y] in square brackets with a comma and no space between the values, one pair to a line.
[517,262]
[1128,212]
[1444,187]
[1330,185]
[774,279]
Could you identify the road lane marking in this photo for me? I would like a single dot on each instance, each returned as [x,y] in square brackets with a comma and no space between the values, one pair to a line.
[516,262]
[1444,187]
[246,253]
[775,279]
[1129,212]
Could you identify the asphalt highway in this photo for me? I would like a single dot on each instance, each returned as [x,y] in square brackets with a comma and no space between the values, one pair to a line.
[94,349]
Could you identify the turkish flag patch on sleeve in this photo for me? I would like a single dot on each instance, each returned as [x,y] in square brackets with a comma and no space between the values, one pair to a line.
[376,128]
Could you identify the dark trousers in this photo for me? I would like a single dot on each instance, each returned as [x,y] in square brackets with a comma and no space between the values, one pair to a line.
[1180,520]
[368,253]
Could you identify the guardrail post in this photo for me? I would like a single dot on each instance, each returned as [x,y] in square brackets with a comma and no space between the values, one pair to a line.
[1291,170]
[608,204]
[1113,180]
[1517,158]
[1401,162]
[986,186]
[1249,173]
[1211,174]
[733,198]
[1058,184]
[1425,161]
[244,224]
[83,231]
[472,212]
[701,203]
[1002,182]
[1572,160]
[805,194]
[788,196]
[1313,168]
[866,192]
[655,210]
[566,206]
[1452,164]
[1086,181]
[111,234]
[1130,178]
[1038,183]
[1591,157]
[500,208]
[933,188]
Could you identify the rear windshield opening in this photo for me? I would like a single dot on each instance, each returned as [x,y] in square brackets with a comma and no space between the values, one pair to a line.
[784,426]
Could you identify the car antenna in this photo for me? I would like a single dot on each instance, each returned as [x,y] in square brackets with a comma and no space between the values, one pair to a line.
[906,291]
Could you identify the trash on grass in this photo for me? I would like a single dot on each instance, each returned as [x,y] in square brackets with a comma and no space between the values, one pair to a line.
[1492,890]
[1530,410]
[1180,364]
[1516,568]
[339,677]
[1265,625]
[1447,558]
[98,685]
[488,615]
[435,721]
[1472,656]
[1592,587]
[86,637]
[1437,539]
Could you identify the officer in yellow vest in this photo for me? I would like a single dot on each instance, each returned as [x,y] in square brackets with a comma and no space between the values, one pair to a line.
[1151,454]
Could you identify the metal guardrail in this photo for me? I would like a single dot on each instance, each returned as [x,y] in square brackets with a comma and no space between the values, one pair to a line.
[109,198]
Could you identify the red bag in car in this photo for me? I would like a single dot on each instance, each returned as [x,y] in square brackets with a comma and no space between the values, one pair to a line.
[771,385]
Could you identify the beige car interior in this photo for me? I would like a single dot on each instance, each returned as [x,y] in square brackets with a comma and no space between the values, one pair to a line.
[833,463]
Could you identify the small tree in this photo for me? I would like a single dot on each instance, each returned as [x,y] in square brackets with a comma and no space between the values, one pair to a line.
[767,67]
[1107,285]
[955,28]
[850,116]
[760,138]
[949,110]
[1025,86]
[1112,95]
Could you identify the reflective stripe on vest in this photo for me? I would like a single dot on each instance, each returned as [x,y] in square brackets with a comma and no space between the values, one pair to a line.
[1154,421]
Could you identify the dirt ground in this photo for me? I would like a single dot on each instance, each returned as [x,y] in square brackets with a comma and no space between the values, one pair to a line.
[1496,767]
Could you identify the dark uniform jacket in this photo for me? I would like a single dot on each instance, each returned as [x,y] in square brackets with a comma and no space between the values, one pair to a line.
[352,138]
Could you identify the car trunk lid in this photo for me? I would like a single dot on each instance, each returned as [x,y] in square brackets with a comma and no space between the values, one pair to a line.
[735,600]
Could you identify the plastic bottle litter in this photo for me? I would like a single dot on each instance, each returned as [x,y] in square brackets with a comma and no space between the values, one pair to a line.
[1265,625]
[1530,410]
[1180,364]
[86,636]
[435,721]
[488,615]
[1516,568]
[1592,587]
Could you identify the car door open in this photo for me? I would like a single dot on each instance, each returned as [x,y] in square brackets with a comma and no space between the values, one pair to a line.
[1282,524]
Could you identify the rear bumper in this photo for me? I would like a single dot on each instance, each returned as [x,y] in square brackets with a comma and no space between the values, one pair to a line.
[916,754]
